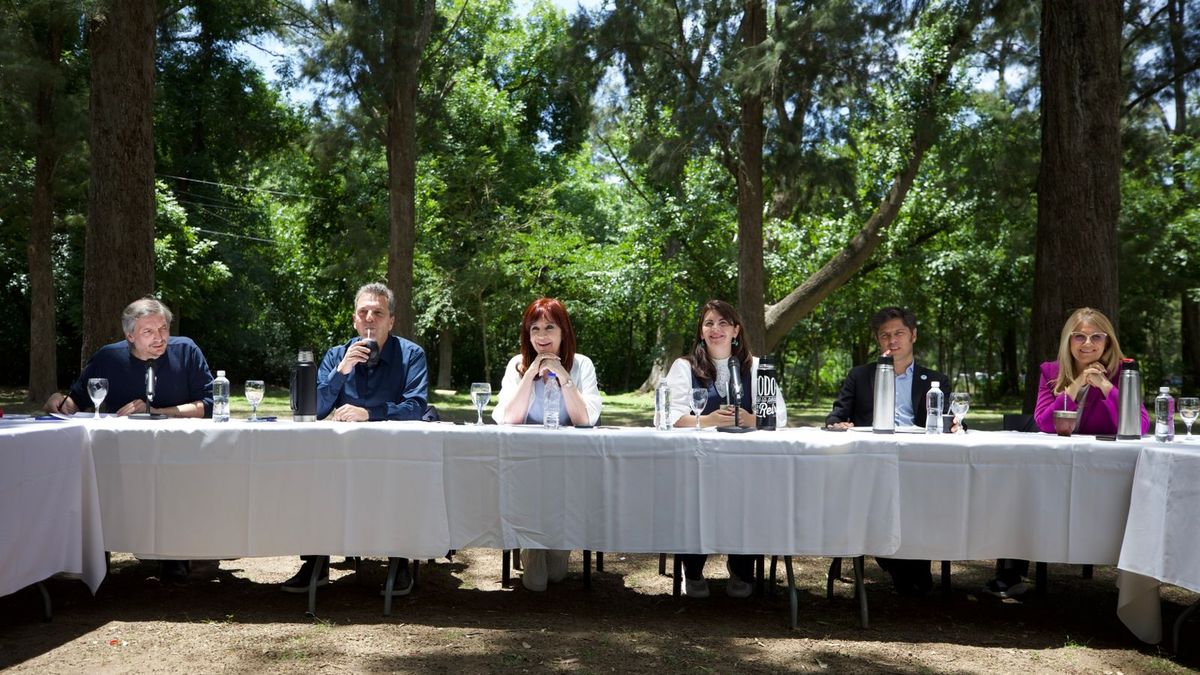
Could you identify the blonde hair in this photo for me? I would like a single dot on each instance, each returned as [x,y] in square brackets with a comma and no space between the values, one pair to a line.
[1111,358]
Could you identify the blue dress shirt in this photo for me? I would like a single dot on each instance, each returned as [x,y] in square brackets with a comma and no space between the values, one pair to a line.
[904,402]
[396,389]
[181,376]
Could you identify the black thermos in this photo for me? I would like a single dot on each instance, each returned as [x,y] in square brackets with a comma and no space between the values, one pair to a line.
[304,388]
[765,398]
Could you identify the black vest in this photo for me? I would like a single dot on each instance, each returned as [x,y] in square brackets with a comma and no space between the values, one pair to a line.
[715,399]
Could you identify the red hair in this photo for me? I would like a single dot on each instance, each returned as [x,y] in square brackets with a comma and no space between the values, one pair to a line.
[552,310]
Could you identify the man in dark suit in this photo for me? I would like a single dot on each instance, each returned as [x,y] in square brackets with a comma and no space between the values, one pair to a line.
[895,330]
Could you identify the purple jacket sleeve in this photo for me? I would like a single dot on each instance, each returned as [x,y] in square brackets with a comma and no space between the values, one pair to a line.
[1047,401]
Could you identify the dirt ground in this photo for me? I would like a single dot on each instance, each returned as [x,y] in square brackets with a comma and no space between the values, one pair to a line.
[231,617]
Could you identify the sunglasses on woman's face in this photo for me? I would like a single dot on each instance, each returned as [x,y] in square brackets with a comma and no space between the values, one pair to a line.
[1094,338]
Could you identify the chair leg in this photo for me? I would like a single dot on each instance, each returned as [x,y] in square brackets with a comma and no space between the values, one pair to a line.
[662,564]
[860,591]
[677,576]
[945,578]
[760,564]
[1086,572]
[416,573]
[835,573]
[1041,576]
[793,601]
[771,583]
[505,567]
[600,562]
[312,584]
[516,561]
[587,568]
[393,565]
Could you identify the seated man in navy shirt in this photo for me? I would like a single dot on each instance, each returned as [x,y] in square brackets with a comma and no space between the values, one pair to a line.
[182,381]
[895,330]
[354,387]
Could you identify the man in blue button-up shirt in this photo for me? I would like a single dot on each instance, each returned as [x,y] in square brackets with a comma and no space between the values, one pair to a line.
[357,383]
[350,388]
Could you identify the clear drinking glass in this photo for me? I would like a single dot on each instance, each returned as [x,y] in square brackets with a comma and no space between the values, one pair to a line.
[699,400]
[97,390]
[254,395]
[481,393]
[1189,408]
[960,403]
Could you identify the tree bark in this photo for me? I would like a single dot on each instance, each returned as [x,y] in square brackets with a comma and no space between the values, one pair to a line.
[43,358]
[1190,334]
[406,43]
[1079,196]
[751,281]
[119,249]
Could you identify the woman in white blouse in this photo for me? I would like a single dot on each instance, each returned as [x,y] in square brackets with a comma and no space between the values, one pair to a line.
[719,338]
[547,346]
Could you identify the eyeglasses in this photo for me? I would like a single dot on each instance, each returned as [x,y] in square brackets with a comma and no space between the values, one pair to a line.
[1094,338]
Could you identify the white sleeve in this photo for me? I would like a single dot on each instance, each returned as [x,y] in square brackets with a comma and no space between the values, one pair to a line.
[508,387]
[584,374]
[780,408]
[679,379]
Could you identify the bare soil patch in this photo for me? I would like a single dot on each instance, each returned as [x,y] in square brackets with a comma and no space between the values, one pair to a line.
[231,617]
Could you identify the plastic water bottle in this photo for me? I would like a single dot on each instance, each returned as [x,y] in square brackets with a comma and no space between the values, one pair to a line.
[220,398]
[1164,416]
[934,399]
[662,405]
[552,402]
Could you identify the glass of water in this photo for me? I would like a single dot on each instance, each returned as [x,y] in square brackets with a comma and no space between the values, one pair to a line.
[254,395]
[960,403]
[97,390]
[481,393]
[1189,408]
[699,400]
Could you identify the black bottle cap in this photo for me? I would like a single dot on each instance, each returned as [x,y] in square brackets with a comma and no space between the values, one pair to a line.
[888,360]
[1129,364]
[766,359]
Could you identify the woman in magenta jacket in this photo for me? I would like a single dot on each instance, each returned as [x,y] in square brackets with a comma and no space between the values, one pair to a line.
[1085,375]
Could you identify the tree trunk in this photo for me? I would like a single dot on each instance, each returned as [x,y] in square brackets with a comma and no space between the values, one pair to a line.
[1190,334]
[408,39]
[751,280]
[43,359]
[672,345]
[1079,196]
[1009,367]
[119,249]
[445,357]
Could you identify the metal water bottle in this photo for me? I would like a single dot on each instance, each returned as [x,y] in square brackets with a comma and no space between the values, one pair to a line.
[1129,406]
[883,420]
[765,386]
[304,387]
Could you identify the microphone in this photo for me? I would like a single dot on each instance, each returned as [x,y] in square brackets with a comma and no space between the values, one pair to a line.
[149,382]
[735,395]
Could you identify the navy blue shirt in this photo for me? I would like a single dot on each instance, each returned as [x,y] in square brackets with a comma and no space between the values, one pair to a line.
[396,389]
[181,376]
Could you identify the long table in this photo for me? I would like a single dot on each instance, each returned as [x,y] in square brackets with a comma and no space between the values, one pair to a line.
[49,505]
[198,489]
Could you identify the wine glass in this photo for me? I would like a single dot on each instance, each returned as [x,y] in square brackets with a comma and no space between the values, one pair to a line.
[699,400]
[254,395]
[960,403]
[98,389]
[1189,408]
[481,393]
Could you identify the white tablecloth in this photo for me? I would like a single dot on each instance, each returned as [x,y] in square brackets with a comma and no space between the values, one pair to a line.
[1162,535]
[49,510]
[195,489]
[986,495]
